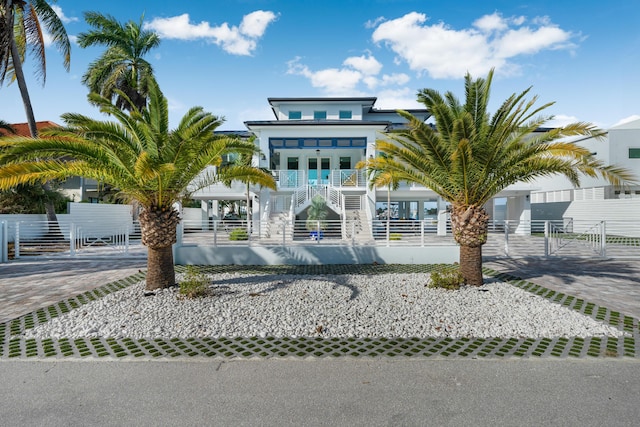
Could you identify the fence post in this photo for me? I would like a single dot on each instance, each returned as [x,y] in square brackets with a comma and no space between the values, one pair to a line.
[179,233]
[215,233]
[506,237]
[126,240]
[16,241]
[422,225]
[546,238]
[603,239]
[72,239]
[4,242]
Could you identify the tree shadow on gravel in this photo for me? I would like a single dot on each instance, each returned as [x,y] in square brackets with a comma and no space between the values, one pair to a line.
[569,270]
[278,282]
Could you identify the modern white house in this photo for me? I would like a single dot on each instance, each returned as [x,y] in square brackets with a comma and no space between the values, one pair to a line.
[595,199]
[312,146]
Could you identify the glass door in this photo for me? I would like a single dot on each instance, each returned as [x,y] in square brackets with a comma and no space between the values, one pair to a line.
[325,170]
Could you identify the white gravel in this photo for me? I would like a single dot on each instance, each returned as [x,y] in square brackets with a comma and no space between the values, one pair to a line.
[390,305]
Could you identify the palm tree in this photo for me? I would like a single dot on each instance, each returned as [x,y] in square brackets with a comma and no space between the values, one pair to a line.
[316,216]
[6,127]
[244,171]
[382,178]
[471,156]
[139,155]
[122,66]
[21,29]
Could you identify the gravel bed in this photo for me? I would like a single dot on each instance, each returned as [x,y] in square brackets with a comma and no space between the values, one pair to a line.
[388,305]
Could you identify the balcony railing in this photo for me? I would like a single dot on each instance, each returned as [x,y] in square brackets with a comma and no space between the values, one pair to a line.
[337,178]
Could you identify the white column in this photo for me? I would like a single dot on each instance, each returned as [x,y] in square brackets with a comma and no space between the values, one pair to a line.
[519,209]
[443,216]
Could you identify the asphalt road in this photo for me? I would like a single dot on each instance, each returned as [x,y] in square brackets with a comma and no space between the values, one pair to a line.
[344,391]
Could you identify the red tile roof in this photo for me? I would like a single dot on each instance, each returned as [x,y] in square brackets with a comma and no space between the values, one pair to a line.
[22,129]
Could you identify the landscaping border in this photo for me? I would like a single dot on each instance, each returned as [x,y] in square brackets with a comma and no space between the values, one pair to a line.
[255,347]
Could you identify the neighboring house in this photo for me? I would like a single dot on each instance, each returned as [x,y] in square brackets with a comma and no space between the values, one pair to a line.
[77,189]
[555,197]
[312,147]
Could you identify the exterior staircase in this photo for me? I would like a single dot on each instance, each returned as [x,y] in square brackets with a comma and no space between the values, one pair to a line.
[358,227]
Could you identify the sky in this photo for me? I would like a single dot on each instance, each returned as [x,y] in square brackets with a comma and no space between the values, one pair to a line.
[229,56]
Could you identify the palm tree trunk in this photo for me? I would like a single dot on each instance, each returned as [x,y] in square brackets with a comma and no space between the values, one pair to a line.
[388,213]
[24,92]
[52,219]
[471,265]
[160,270]
[158,226]
[470,227]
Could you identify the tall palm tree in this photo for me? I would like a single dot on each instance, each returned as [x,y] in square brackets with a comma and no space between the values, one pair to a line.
[122,66]
[383,178]
[22,27]
[138,154]
[22,23]
[244,171]
[472,155]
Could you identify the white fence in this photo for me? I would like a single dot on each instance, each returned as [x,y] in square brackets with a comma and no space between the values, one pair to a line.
[506,238]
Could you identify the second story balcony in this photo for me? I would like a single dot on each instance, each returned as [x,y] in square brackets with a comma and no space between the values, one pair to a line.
[348,178]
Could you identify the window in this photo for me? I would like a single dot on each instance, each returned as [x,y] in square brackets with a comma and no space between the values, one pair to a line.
[345,114]
[292,163]
[345,162]
[295,115]
[634,153]
[319,115]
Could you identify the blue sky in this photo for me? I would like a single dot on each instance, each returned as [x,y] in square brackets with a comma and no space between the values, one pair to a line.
[229,56]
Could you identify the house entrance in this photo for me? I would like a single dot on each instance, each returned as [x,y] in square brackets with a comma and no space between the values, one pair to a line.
[322,171]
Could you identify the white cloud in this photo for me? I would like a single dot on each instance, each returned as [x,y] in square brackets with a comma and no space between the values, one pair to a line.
[491,42]
[255,24]
[393,99]
[46,37]
[345,81]
[236,40]
[65,19]
[334,81]
[488,23]
[374,23]
[367,65]
[631,118]
[560,120]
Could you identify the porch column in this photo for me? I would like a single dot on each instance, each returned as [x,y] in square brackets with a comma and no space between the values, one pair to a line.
[443,216]
[519,209]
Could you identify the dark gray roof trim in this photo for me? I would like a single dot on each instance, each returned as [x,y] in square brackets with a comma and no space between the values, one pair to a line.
[317,123]
[368,100]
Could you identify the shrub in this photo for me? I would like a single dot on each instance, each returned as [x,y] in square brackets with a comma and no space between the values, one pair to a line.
[238,234]
[195,283]
[446,277]
[395,236]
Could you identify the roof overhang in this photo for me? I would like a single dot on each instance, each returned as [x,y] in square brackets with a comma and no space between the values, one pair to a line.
[256,125]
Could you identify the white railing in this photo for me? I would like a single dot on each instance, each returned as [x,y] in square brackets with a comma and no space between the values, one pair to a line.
[289,178]
[337,178]
[348,178]
[48,239]
[334,197]
[505,238]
